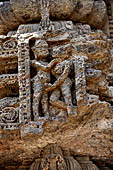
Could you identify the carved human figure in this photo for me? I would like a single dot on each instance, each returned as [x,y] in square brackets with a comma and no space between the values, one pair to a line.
[60,163]
[40,50]
[41,53]
[62,85]
[61,72]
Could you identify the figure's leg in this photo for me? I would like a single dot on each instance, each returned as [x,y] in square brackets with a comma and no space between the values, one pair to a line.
[44,102]
[36,99]
[66,92]
[54,100]
[57,104]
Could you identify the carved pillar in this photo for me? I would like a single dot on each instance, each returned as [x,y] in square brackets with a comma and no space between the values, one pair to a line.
[24,79]
[80,78]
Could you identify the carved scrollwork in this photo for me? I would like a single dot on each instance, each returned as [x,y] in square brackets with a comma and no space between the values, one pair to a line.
[9,115]
[9,45]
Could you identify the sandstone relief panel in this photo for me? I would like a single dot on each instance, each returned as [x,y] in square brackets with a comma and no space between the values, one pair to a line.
[56,79]
[59,68]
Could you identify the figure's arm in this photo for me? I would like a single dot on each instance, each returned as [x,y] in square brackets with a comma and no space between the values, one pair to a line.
[61,78]
[45,68]
[55,100]
[59,104]
[53,63]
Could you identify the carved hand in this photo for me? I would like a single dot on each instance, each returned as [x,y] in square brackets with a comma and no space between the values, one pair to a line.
[47,87]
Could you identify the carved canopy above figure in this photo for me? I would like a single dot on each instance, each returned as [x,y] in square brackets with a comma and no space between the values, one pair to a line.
[16,12]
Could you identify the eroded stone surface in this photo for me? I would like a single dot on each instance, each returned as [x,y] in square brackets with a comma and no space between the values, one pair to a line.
[14,12]
[56,87]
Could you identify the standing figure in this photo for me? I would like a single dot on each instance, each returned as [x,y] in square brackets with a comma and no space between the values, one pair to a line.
[61,72]
[62,86]
[41,53]
[40,50]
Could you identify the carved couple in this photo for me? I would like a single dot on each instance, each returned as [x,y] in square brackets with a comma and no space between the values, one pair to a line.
[59,67]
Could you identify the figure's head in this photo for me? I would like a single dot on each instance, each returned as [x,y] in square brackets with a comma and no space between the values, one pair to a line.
[40,49]
[58,69]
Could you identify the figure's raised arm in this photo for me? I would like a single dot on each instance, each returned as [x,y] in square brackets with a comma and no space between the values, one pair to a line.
[43,67]
[60,79]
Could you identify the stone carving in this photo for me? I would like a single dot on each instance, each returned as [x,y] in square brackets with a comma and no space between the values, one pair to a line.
[40,50]
[61,73]
[55,25]
[9,115]
[88,165]
[53,158]
[60,68]
[8,55]
[9,85]
[45,20]
[7,45]
[24,80]
[53,62]
[72,163]
[15,12]
[56,73]
[58,163]
[9,88]
[7,101]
